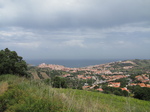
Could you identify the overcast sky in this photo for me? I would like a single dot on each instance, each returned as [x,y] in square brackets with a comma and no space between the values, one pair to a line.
[76,29]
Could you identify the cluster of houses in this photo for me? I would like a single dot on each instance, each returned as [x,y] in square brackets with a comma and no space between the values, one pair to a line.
[110,84]
[84,77]
[51,66]
[143,78]
[116,85]
[140,84]
[96,69]
[104,70]
[113,77]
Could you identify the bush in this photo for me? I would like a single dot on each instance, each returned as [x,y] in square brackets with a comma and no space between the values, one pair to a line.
[25,97]
[59,82]
[116,92]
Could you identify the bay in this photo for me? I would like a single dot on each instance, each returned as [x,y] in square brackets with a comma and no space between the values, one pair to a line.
[70,63]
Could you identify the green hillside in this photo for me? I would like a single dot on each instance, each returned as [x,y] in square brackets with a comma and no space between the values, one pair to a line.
[18,94]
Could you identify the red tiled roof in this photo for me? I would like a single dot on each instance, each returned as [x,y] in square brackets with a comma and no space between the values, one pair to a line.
[148,85]
[99,89]
[84,87]
[114,84]
[142,84]
[124,89]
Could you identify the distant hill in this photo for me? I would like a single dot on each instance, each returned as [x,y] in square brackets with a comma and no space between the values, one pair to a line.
[120,67]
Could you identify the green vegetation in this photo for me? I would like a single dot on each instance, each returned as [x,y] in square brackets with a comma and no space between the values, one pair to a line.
[44,91]
[59,82]
[116,91]
[11,63]
[142,93]
[142,62]
[139,66]
[23,95]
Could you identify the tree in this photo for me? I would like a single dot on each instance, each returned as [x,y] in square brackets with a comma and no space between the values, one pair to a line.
[142,93]
[11,63]
[125,93]
[116,92]
[59,82]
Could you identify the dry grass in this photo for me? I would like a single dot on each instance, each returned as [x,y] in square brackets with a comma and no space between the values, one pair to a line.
[3,87]
[86,101]
[44,75]
[35,75]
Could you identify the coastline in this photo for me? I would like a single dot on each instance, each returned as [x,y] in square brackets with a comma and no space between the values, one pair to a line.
[76,63]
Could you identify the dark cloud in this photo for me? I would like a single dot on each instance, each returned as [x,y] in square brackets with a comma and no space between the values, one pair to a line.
[76,28]
[73,13]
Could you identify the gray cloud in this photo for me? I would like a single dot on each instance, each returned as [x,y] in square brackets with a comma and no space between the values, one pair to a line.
[73,13]
[76,28]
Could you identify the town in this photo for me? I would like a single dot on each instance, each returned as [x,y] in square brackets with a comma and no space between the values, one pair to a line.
[109,74]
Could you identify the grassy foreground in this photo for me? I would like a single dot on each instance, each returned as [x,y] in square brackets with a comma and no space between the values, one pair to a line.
[18,94]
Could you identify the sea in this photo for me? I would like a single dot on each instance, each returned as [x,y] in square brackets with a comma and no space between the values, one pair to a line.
[77,63]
